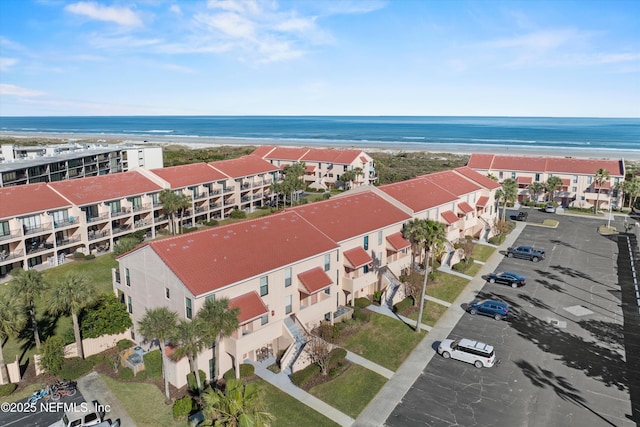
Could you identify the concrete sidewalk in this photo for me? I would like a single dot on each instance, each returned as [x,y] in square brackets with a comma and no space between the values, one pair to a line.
[383,404]
[94,389]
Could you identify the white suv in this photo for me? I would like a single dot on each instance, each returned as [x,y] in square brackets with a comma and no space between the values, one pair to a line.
[470,351]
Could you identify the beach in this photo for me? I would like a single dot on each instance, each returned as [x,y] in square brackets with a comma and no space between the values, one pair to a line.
[203,142]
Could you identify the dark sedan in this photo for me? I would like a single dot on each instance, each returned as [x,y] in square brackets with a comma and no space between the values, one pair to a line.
[496,309]
[507,278]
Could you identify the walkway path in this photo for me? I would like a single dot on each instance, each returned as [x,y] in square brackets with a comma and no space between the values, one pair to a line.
[94,389]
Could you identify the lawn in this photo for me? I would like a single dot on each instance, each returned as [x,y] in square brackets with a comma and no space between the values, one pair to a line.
[375,339]
[473,269]
[446,287]
[482,252]
[550,222]
[290,412]
[143,402]
[98,271]
[351,392]
[432,312]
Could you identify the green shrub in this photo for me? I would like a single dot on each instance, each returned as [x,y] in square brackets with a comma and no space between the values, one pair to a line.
[189,229]
[89,257]
[211,223]
[403,305]
[377,296]
[124,344]
[153,363]
[361,315]
[237,214]
[52,352]
[246,370]
[328,332]
[78,255]
[7,389]
[68,336]
[460,266]
[362,302]
[497,239]
[96,359]
[304,375]
[108,316]
[142,375]
[75,367]
[182,408]
[229,375]
[125,373]
[337,355]
[336,369]
[191,380]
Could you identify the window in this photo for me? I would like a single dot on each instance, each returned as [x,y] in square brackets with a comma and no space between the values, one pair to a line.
[327,262]
[31,222]
[287,277]
[574,189]
[264,286]
[345,168]
[114,207]
[127,277]
[379,237]
[60,217]
[500,175]
[211,298]
[166,293]
[4,228]
[327,317]
[575,179]
[616,181]
[513,175]
[189,311]
[365,269]
[366,243]
[129,305]
[117,276]
[537,177]
[589,180]
[328,291]
[264,319]
[288,305]
[136,202]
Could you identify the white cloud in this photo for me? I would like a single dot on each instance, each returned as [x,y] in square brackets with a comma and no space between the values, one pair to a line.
[9,44]
[240,6]
[230,24]
[7,89]
[119,15]
[179,68]
[174,8]
[6,63]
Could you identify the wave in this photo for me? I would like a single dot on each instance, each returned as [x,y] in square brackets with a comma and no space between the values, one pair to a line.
[151,131]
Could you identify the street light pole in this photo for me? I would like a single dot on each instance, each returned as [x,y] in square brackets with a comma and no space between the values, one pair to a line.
[609,220]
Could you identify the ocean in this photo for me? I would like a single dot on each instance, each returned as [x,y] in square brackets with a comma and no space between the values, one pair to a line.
[496,134]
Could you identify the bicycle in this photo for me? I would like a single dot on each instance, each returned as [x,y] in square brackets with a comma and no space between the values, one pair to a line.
[64,392]
[44,393]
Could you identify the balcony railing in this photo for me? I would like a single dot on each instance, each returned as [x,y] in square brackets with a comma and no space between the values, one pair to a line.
[93,235]
[230,201]
[35,230]
[118,230]
[246,185]
[143,207]
[257,196]
[67,241]
[214,205]
[245,199]
[121,212]
[6,256]
[142,223]
[101,217]
[13,234]
[201,196]
[202,209]
[228,190]
[215,192]
[68,221]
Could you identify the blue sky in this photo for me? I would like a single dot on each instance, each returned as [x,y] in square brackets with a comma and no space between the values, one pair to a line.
[325,57]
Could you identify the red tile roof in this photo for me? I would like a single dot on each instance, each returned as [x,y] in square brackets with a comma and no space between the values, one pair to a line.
[314,281]
[30,198]
[482,201]
[566,182]
[605,185]
[545,164]
[310,168]
[84,191]
[210,259]
[263,151]
[349,216]
[331,155]
[524,180]
[418,194]
[449,216]
[398,242]
[465,207]
[477,177]
[244,166]
[363,159]
[250,305]
[357,257]
[283,153]
[453,182]
[186,175]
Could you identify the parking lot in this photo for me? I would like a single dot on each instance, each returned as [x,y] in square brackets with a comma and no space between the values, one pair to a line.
[45,413]
[562,354]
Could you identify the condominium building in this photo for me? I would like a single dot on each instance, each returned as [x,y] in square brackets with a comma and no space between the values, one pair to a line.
[324,167]
[579,187]
[289,271]
[49,163]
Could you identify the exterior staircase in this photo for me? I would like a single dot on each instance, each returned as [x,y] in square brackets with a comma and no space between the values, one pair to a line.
[394,285]
[300,340]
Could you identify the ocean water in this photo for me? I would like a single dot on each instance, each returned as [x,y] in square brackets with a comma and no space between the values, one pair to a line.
[562,134]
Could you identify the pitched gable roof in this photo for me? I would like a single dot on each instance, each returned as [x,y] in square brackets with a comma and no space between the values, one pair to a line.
[250,306]
[545,164]
[84,191]
[283,153]
[584,166]
[211,259]
[243,166]
[263,151]
[453,182]
[398,242]
[192,174]
[357,257]
[29,198]
[332,155]
[314,280]
[477,177]
[449,217]
[480,161]
[349,216]
[418,194]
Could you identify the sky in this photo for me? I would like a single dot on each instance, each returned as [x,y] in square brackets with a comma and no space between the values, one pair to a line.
[557,58]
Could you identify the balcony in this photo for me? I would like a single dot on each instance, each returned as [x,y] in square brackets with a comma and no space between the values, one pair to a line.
[160,218]
[8,256]
[201,196]
[142,223]
[201,209]
[121,212]
[67,222]
[245,186]
[230,201]
[228,190]
[215,192]
[122,229]
[94,235]
[144,207]
[67,241]
[351,284]
[13,234]
[214,205]
[245,199]
[101,217]
[36,230]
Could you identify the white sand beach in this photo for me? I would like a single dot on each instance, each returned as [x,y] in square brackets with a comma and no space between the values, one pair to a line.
[370,146]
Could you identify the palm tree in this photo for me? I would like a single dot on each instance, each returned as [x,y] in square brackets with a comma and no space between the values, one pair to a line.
[173,204]
[601,176]
[349,176]
[158,324]
[26,286]
[536,188]
[12,320]
[218,320]
[239,405]
[510,194]
[500,197]
[413,231]
[73,294]
[189,336]
[552,185]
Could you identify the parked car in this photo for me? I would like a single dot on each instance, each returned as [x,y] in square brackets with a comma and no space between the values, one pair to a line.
[489,307]
[522,216]
[526,252]
[507,278]
[550,208]
[470,351]
[81,415]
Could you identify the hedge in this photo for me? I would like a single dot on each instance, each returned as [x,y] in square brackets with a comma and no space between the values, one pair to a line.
[403,305]
[124,344]
[125,373]
[246,370]
[301,377]
[7,389]
[182,408]
[362,302]
[337,355]
[191,380]
[75,367]
[153,363]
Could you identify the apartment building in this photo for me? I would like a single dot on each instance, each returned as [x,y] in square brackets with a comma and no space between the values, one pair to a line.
[578,188]
[290,271]
[323,166]
[49,163]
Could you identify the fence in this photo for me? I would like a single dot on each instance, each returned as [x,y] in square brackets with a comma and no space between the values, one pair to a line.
[14,372]
[90,346]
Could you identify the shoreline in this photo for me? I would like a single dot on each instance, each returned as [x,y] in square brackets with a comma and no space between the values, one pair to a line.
[373,146]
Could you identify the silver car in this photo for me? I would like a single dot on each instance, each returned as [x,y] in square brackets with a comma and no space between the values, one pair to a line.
[470,351]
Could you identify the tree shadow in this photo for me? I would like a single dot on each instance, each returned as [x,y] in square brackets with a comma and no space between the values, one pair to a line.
[572,272]
[549,275]
[610,333]
[46,328]
[543,378]
[593,360]
[551,286]
[570,246]
[534,301]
